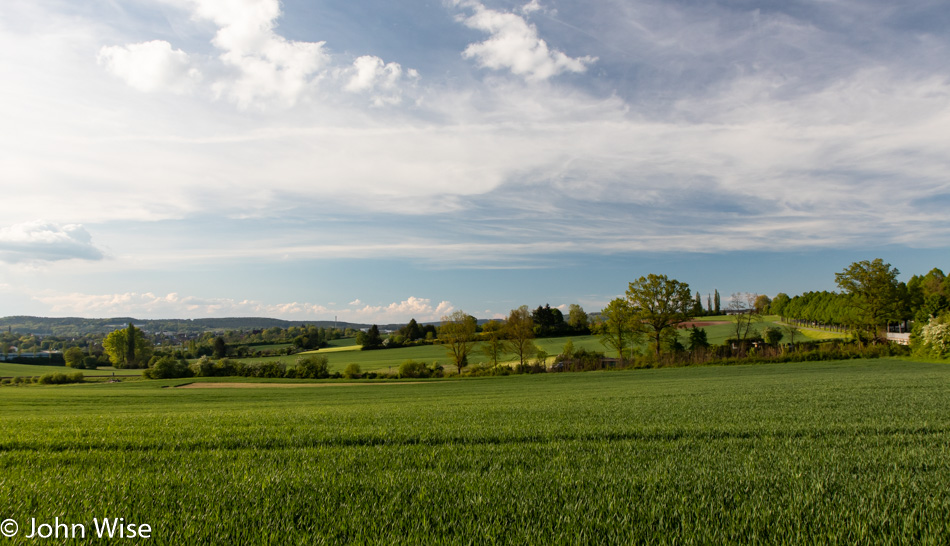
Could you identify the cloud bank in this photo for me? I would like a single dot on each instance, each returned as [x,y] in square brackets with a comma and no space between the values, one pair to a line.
[174,305]
[41,241]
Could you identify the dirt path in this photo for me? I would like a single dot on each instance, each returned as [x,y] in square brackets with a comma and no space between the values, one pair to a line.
[286,385]
[701,324]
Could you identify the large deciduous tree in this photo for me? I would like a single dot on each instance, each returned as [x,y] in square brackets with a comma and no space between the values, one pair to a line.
[493,344]
[745,313]
[577,319]
[127,348]
[778,304]
[660,304]
[617,327]
[873,288]
[457,333]
[519,332]
[74,357]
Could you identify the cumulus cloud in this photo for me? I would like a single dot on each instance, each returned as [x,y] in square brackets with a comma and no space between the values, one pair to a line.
[258,67]
[531,7]
[152,305]
[419,308]
[151,66]
[370,74]
[46,241]
[515,44]
[269,66]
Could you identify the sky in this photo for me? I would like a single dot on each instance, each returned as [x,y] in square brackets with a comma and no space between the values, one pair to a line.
[376,161]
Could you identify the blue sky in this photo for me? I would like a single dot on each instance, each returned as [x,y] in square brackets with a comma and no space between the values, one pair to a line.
[377,161]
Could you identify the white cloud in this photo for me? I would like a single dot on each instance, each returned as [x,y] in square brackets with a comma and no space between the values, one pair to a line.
[815,162]
[269,66]
[46,241]
[370,74]
[531,7]
[419,308]
[151,66]
[515,45]
[258,67]
[174,305]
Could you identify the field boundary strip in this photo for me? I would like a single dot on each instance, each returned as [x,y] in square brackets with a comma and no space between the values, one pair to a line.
[210,385]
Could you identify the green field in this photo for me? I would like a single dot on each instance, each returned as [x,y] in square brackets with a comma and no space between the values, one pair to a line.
[9,369]
[344,351]
[830,452]
[340,354]
[390,359]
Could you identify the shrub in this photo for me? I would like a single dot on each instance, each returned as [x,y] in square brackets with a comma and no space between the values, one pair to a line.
[935,337]
[90,362]
[59,378]
[270,369]
[413,369]
[773,335]
[226,367]
[352,371]
[203,367]
[313,367]
[167,368]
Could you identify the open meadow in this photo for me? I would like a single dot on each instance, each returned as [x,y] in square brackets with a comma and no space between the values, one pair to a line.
[826,452]
[343,352]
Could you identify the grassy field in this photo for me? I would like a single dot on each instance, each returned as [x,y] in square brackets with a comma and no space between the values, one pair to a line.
[9,369]
[341,354]
[831,453]
[344,351]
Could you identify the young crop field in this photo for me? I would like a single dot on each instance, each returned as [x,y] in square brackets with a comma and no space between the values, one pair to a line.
[10,369]
[829,452]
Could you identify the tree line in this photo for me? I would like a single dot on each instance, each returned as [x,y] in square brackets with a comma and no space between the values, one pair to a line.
[653,308]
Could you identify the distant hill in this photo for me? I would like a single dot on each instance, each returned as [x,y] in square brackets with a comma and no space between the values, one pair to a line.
[75,326]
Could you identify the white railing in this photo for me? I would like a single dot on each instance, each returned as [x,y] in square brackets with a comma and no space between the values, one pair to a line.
[903,339]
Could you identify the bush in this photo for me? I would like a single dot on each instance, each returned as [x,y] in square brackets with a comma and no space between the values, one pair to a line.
[167,368]
[203,367]
[227,367]
[313,367]
[413,369]
[270,369]
[59,378]
[773,335]
[352,371]
[90,362]
[935,338]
